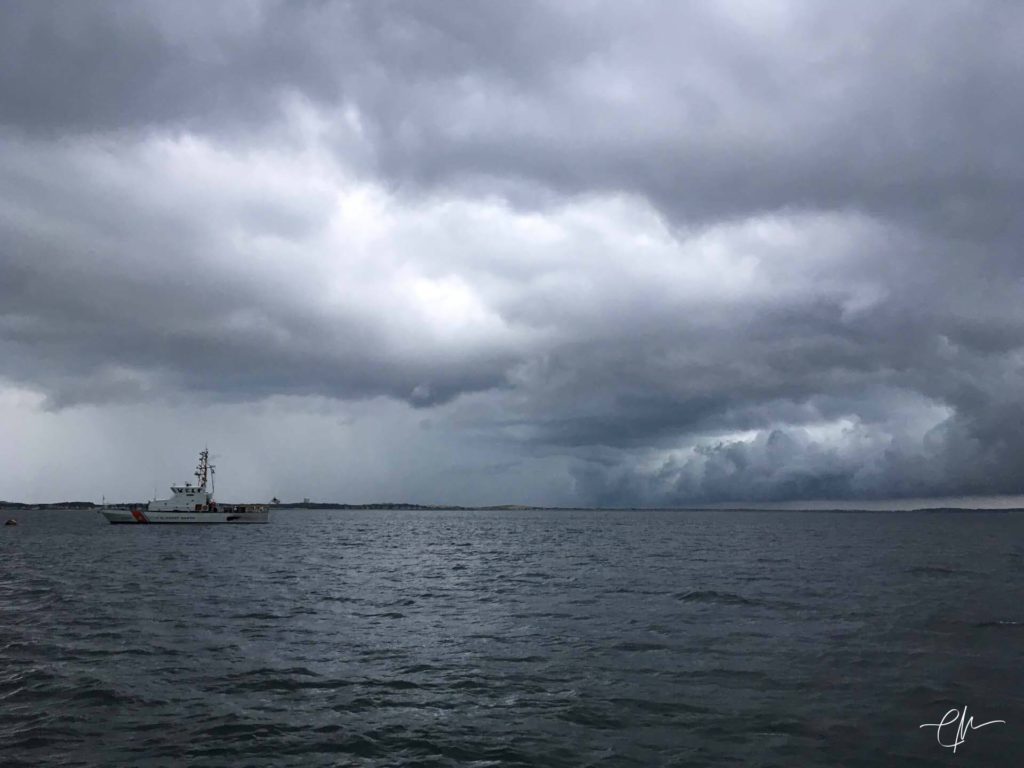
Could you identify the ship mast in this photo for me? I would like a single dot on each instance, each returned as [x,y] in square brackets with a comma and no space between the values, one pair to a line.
[204,469]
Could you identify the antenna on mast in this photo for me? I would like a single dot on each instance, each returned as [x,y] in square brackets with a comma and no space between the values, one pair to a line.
[204,468]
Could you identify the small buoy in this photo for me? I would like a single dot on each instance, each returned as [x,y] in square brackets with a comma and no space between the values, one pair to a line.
[11,521]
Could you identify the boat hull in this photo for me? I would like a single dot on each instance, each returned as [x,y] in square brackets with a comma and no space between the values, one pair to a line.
[167,517]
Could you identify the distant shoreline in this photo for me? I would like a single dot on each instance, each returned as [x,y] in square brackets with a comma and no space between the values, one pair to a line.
[88,506]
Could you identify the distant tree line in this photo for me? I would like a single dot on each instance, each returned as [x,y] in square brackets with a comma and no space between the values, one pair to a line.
[56,505]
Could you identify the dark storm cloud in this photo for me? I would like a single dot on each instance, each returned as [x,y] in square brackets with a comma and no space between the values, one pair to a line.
[709,111]
[877,353]
[71,67]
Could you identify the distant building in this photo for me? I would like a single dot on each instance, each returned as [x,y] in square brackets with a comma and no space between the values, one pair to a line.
[306,500]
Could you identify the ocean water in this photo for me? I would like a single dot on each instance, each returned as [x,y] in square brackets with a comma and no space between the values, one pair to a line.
[513,639]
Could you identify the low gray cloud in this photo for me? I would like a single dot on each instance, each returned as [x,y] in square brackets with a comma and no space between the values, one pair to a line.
[677,254]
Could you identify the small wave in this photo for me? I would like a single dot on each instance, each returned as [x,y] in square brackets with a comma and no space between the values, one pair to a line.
[357,745]
[15,681]
[933,570]
[300,671]
[397,684]
[283,684]
[718,675]
[714,596]
[104,696]
[502,639]
[73,653]
[42,741]
[589,716]
[998,623]
[267,678]
[471,684]
[642,647]
[660,707]
[541,615]
[240,730]
[291,679]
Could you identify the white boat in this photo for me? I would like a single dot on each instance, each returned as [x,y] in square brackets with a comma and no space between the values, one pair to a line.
[190,504]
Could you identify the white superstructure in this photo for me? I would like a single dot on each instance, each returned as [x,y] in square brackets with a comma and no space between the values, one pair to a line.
[190,504]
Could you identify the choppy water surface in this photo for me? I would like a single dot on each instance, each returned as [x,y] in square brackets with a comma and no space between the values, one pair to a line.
[513,638]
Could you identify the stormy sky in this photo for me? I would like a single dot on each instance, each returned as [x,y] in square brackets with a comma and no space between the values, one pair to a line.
[565,253]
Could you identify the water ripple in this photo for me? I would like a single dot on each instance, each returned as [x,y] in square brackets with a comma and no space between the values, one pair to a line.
[513,639]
